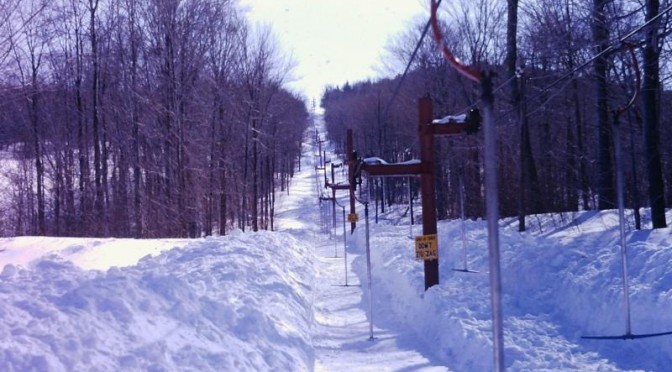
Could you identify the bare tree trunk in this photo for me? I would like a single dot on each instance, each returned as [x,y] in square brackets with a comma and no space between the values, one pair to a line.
[651,99]
[605,187]
[59,189]
[223,205]
[168,140]
[137,175]
[69,184]
[135,126]
[97,157]
[212,169]
[528,172]
[242,222]
[580,153]
[255,178]
[570,197]
[577,153]
[82,142]
[37,148]
[272,165]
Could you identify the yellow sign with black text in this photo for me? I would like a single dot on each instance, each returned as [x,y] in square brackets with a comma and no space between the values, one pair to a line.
[426,247]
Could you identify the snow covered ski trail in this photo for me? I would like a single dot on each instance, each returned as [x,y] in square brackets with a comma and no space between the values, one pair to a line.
[341,325]
[341,335]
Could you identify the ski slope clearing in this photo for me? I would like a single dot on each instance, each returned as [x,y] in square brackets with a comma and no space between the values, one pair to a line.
[276,301]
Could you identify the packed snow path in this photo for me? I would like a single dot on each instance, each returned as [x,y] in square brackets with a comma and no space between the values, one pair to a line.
[341,335]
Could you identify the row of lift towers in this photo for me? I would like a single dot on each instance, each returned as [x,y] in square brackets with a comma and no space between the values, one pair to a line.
[426,245]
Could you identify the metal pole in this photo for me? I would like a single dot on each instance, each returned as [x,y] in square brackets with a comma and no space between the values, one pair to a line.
[368,270]
[376,191]
[345,248]
[321,217]
[463,227]
[383,195]
[621,222]
[410,207]
[335,241]
[333,209]
[492,212]
[351,175]
[317,180]
[327,222]
[326,180]
[410,200]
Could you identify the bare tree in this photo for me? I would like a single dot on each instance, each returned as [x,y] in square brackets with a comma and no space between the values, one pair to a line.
[528,172]
[651,103]
[263,73]
[605,187]
[28,51]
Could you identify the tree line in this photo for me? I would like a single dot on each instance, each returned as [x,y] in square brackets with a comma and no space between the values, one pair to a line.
[562,69]
[142,119]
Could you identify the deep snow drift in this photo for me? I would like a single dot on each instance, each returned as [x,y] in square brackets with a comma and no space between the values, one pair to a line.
[276,301]
[560,282]
[236,303]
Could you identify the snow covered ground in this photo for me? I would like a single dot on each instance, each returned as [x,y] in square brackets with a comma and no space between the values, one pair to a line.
[560,282]
[278,301]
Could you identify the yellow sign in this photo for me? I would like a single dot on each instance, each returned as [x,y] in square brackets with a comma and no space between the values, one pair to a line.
[353,218]
[426,247]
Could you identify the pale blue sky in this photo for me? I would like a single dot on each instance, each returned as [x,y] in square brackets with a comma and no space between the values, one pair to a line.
[334,41]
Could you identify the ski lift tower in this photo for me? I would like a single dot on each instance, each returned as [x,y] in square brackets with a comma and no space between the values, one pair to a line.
[425,168]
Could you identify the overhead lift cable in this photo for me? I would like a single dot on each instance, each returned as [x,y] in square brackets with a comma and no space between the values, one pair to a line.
[408,65]
[610,49]
[616,46]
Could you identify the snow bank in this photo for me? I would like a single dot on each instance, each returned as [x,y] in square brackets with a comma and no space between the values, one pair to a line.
[240,302]
[560,282]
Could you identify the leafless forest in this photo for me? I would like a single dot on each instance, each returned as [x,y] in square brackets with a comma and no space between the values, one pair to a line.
[141,118]
[564,76]
[169,118]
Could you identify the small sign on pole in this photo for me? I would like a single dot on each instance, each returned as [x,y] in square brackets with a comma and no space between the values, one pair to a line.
[353,218]
[426,247]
